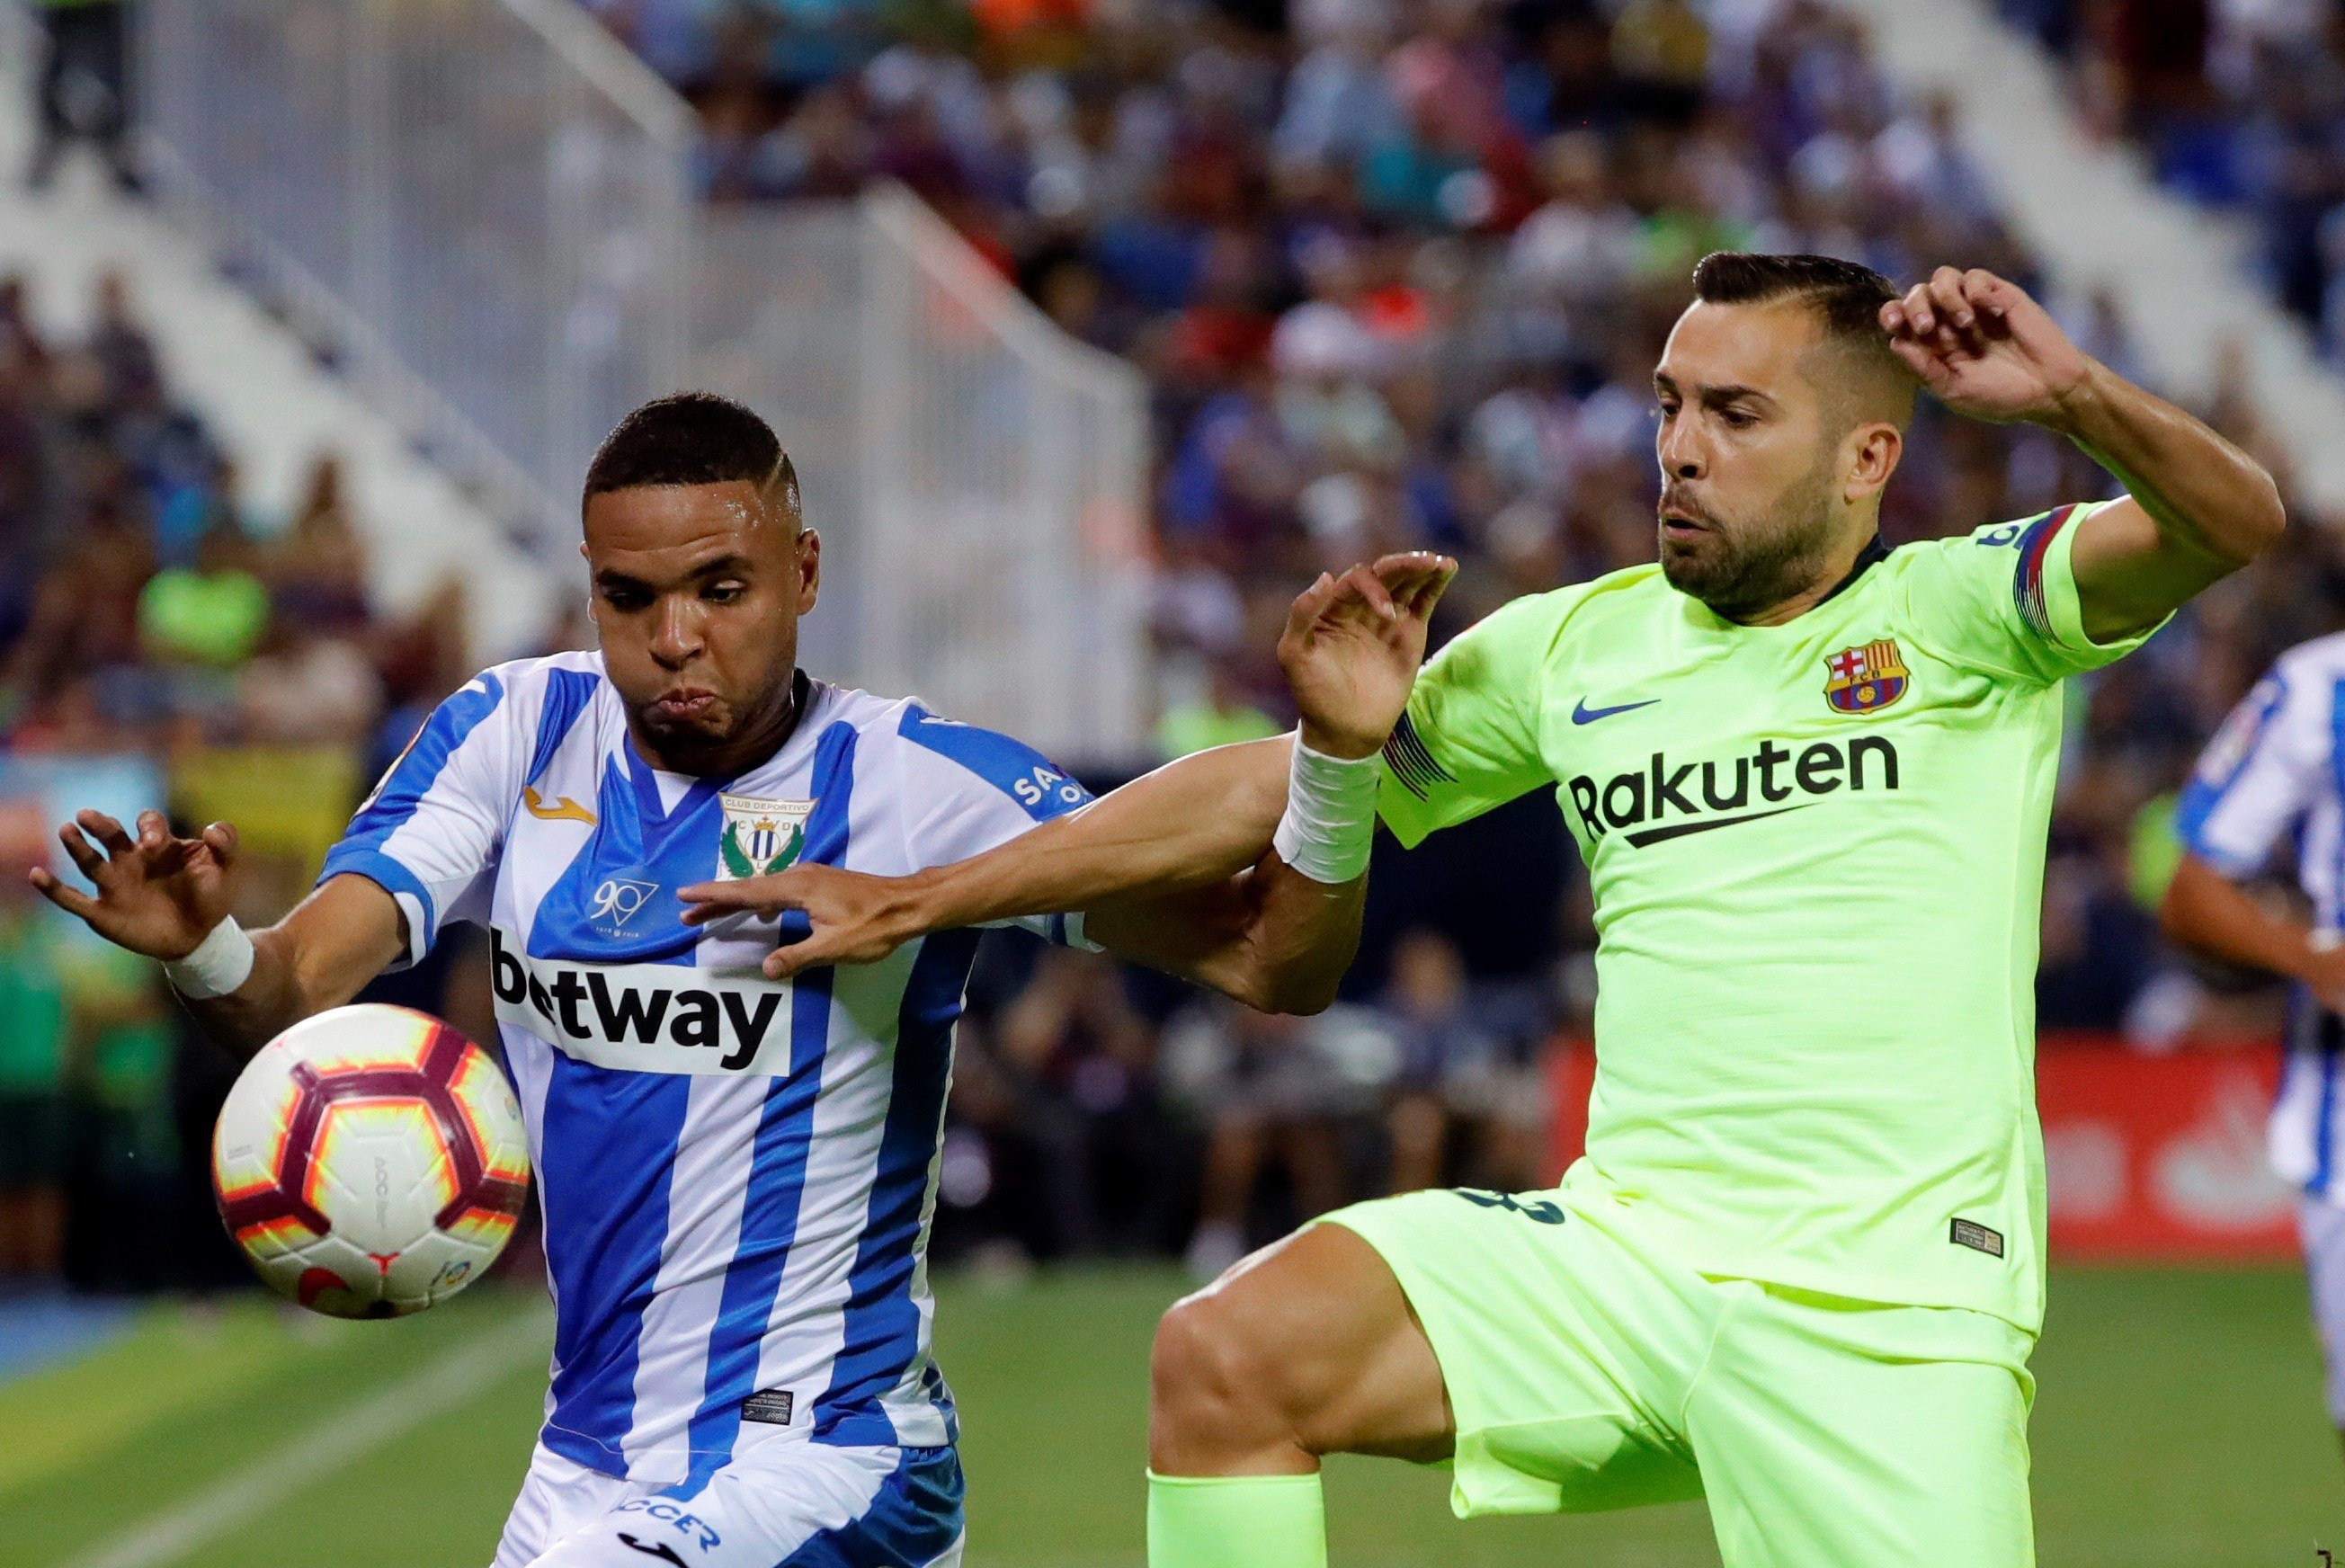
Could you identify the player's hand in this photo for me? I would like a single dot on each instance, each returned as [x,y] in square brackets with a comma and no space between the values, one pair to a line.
[1985,347]
[1352,647]
[857,918]
[157,894]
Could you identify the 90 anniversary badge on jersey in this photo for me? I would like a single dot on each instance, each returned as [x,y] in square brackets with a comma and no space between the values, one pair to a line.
[760,836]
[1861,680]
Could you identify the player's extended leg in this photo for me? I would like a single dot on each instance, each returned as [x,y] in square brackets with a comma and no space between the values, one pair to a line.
[2323,1228]
[1305,1349]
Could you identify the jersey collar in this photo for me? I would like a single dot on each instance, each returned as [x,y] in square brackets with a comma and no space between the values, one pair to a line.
[807,693]
[1872,555]
[1873,552]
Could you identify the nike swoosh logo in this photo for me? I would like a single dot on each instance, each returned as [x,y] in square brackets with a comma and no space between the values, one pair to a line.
[564,810]
[658,1549]
[1584,714]
[1679,829]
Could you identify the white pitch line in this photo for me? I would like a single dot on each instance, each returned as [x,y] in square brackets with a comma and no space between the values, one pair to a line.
[452,1381]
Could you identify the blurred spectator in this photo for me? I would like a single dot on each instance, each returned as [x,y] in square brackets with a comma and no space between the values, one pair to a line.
[124,1151]
[1271,1091]
[317,568]
[1061,1086]
[212,614]
[1464,1069]
[33,1119]
[84,87]
[1219,716]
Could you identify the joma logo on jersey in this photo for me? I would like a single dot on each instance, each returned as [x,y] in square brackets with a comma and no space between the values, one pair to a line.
[1652,800]
[632,1015]
[760,836]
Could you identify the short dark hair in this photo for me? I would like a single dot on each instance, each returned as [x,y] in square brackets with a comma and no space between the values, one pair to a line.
[1846,298]
[692,438]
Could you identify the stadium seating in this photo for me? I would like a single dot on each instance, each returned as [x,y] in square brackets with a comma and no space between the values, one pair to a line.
[1392,285]
[1398,274]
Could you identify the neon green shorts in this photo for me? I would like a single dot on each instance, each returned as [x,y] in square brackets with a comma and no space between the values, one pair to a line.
[1587,1369]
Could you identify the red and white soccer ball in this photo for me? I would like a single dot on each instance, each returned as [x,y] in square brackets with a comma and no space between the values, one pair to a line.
[371,1161]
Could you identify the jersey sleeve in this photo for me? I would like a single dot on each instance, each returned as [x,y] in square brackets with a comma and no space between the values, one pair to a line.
[972,789]
[1469,741]
[2261,773]
[2006,601]
[430,832]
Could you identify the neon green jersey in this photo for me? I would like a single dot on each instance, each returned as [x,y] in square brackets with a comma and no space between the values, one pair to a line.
[1817,856]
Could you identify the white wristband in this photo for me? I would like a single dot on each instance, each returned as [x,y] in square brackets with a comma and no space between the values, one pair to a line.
[1331,815]
[220,963]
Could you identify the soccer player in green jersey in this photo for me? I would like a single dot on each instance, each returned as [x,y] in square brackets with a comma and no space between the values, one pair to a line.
[1800,1269]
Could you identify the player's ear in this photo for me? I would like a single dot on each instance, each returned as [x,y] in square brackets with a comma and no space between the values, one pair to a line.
[809,550]
[1869,455]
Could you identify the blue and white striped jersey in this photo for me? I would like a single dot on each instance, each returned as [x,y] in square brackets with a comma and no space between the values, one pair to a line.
[2275,772]
[736,1175]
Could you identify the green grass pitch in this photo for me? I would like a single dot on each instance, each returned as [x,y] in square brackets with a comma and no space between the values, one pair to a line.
[2178,1424]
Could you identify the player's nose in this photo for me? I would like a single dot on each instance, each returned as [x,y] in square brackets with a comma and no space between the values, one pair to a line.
[1680,452]
[676,636]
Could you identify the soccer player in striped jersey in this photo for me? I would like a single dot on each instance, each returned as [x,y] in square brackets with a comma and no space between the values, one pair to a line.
[1799,1270]
[2274,774]
[737,1174]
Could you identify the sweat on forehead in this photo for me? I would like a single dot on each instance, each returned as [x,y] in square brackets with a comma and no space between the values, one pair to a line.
[681,524]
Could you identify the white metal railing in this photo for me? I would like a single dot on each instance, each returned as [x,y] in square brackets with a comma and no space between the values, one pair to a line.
[483,208]
[978,476]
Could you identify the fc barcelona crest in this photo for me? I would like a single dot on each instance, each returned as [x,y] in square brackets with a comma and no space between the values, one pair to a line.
[1862,679]
[760,836]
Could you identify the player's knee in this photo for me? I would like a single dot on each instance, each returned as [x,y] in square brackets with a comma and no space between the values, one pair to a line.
[1212,1371]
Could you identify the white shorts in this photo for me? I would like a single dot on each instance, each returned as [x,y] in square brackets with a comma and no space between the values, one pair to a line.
[779,1505]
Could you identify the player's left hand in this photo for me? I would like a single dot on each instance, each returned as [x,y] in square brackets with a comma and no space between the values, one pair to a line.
[857,918]
[1985,347]
[1352,647]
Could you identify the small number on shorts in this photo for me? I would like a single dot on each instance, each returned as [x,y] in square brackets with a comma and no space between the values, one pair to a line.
[1538,1208]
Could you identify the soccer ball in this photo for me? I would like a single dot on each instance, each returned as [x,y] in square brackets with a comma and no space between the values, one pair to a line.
[371,1161]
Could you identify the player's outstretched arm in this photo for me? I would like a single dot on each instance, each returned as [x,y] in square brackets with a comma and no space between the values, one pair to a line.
[1176,869]
[168,898]
[2207,911]
[2199,509]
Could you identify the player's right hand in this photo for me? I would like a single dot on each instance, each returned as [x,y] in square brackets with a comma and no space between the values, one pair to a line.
[157,894]
[856,918]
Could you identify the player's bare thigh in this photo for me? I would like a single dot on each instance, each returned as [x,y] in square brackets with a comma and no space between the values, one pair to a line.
[1307,1348]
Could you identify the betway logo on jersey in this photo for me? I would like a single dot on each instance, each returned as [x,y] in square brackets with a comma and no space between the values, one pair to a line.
[1664,800]
[646,1017]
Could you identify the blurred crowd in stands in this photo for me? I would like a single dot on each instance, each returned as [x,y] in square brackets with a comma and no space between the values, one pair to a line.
[161,640]
[1398,271]
[2239,104]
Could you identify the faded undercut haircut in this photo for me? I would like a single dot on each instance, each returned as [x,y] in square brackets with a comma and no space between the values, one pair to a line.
[694,438]
[1868,381]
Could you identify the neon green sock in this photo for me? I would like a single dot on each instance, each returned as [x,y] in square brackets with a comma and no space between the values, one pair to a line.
[1237,1521]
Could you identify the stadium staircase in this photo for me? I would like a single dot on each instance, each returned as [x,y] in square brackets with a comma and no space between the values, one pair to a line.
[2093,212]
[252,381]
